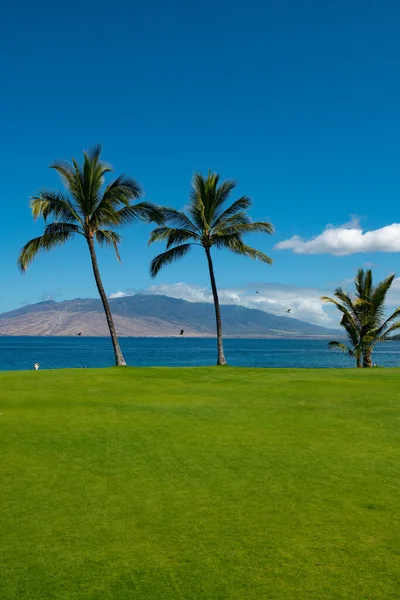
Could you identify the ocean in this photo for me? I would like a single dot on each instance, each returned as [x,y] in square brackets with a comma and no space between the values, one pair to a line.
[21,353]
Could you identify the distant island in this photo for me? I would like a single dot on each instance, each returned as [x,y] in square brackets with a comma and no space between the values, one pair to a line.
[152,316]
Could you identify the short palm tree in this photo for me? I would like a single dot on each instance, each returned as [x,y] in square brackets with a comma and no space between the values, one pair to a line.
[363,316]
[91,210]
[208,223]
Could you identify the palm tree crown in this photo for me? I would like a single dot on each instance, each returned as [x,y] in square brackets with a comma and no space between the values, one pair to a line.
[208,223]
[88,208]
[363,316]
[92,210]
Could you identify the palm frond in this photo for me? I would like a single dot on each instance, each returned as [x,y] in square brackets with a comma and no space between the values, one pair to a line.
[359,283]
[374,313]
[330,300]
[343,309]
[395,315]
[221,194]
[93,156]
[244,228]
[240,218]
[242,204]
[196,212]
[361,302]
[341,347]
[92,177]
[144,211]
[379,293]
[386,335]
[44,243]
[167,258]
[177,218]
[109,238]
[121,191]
[236,245]
[54,204]
[59,227]
[345,298]
[171,235]
[351,327]
[106,217]
[381,329]
[368,284]
[207,197]
[117,195]
[68,176]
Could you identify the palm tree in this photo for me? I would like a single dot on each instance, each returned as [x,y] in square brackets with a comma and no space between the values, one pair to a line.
[208,223]
[89,209]
[363,316]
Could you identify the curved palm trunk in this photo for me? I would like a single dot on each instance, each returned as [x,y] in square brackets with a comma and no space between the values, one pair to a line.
[221,358]
[119,359]
[367,358]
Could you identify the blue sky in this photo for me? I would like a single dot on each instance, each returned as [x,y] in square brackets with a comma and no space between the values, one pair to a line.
[299,102]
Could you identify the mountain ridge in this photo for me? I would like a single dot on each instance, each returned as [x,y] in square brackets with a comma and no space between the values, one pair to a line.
[151,315]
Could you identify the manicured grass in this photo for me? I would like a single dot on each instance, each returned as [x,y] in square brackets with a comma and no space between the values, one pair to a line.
[200,484]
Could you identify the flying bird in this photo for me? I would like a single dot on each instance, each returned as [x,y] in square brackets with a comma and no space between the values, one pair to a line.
[288,310]
[257,292]
[80,333]
[182,332]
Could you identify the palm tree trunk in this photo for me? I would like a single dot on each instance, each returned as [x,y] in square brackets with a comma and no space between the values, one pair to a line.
[367,358]
[221,358]
[119,358]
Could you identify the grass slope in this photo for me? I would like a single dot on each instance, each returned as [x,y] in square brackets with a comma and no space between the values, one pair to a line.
[200,484]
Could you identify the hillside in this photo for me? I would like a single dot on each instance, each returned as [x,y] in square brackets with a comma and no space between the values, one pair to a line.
[151,315]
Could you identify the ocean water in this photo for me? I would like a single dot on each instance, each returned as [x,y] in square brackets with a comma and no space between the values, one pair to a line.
[20,353]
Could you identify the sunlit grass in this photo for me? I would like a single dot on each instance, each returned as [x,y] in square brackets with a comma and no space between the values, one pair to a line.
[200,484]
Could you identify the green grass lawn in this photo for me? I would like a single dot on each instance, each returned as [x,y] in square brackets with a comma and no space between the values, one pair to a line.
[200,484]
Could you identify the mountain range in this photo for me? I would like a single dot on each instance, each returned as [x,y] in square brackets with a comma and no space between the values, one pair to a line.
[151,316]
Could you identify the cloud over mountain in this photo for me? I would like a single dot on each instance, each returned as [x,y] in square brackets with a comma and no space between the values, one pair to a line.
[305,303]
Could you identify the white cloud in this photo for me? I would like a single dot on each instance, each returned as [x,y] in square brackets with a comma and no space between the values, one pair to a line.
[194,293]
[119,295]
[191,293]
[346,239]
[354,223]
[305,303]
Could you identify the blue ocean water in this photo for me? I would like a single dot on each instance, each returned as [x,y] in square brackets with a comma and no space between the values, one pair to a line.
[20,353]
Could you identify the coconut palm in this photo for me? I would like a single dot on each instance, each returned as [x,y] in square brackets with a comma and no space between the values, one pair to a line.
[363,316]
[90,209]
[208,223]
[352,332]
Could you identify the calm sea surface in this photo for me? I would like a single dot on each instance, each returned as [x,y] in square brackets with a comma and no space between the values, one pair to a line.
[18,353]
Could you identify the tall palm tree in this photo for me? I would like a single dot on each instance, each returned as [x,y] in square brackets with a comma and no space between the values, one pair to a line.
[363,316]
[208,223]
[90,209]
